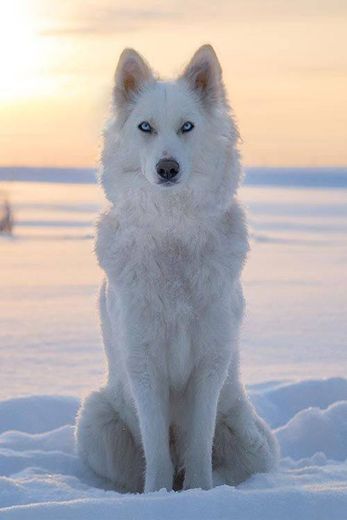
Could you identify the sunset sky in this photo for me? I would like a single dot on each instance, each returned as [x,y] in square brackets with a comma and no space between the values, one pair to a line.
[285,68]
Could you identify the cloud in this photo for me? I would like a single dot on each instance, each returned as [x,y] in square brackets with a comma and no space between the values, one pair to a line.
[108,20]
[105,17]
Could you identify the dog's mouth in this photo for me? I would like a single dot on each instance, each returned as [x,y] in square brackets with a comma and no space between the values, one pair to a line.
[167,183]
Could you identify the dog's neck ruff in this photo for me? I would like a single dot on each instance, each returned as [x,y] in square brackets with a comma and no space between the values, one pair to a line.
[156,207]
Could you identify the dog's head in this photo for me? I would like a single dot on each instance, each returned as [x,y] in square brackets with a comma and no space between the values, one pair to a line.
[173,134]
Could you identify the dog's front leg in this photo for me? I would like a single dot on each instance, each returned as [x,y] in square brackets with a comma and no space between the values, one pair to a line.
[151,398]
[202,399]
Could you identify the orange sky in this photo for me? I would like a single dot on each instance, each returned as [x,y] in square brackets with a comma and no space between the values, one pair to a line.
[285,68]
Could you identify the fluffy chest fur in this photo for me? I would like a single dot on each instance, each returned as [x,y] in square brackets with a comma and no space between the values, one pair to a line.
[173,263]
[170,273]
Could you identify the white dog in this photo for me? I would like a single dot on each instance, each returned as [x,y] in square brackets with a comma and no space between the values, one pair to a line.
[172,245]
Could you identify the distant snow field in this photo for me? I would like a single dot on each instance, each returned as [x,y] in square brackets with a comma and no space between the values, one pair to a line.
[294,357]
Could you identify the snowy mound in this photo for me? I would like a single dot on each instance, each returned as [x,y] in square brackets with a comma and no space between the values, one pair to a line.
[42,478]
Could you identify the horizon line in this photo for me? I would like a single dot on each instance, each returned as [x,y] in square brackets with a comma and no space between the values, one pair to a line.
[95,167]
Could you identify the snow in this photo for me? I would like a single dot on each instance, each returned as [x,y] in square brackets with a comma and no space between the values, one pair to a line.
[293,352]
[42,477]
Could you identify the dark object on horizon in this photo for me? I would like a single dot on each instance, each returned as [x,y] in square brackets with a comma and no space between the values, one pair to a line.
[6,216]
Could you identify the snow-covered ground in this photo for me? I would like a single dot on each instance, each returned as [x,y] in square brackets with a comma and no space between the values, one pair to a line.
[294,357]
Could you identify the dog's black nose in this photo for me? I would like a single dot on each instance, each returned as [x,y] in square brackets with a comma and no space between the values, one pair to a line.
[167,168]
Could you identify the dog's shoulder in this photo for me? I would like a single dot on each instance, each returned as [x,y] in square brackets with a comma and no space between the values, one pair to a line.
[235,231]
[234,221]
[107,230]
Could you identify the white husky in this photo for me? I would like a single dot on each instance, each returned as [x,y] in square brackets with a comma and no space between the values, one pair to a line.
[172,245]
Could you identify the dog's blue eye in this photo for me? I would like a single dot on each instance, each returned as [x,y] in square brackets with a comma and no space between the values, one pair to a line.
[187,127]
[145,127]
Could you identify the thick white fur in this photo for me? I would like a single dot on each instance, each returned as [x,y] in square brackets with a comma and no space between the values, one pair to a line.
[173,408]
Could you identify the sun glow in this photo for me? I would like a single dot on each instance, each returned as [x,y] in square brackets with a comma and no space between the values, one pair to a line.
[22,55]
[285,73]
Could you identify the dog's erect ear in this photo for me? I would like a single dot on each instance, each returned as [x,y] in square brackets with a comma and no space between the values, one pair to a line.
[204,75]
[131,76]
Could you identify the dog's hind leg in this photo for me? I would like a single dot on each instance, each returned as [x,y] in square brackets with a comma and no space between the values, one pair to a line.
[106,444]
[243,444]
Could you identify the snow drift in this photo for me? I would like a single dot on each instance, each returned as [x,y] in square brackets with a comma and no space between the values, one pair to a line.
[42,478]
